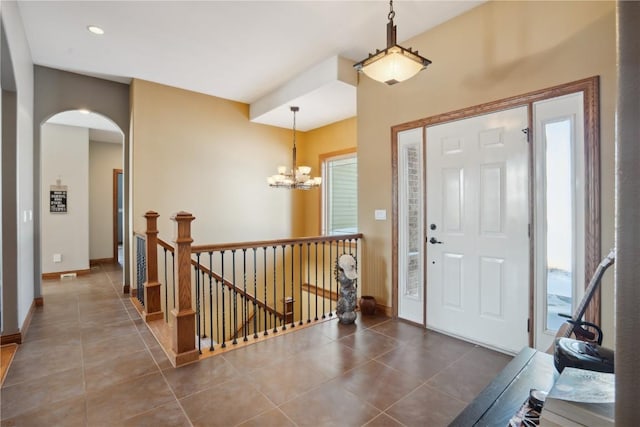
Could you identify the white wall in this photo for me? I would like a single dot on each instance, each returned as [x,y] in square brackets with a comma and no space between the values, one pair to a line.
[23,72]
[65,155]
[104,157]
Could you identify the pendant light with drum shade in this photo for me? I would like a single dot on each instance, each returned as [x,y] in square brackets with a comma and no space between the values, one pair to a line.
[395,63]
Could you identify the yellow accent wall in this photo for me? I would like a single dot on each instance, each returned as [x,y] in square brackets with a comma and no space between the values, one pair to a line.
[338,136]
[494,51]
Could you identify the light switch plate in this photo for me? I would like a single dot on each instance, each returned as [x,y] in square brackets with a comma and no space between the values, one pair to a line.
[380,214]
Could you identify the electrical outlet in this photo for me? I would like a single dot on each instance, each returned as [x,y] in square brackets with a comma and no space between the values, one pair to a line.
[57,257]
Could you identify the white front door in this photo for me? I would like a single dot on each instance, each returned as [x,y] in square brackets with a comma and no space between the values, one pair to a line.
[410,226]
[478,229]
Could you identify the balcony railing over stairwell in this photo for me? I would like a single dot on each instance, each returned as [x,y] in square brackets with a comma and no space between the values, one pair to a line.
[223,295]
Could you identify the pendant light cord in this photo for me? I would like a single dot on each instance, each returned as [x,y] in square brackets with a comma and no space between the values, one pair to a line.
[294,127]
[294,110]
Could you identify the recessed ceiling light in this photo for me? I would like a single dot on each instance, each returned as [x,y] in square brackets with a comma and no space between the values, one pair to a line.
[95,29]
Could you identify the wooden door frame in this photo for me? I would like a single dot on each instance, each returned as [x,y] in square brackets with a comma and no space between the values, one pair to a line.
[590,87]
[116,172]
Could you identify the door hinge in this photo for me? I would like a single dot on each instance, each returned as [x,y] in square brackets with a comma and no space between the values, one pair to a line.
[528,325]
[527,132]
[529,230]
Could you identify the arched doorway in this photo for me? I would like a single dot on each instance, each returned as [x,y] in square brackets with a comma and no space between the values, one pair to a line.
[57,91]
[79,151]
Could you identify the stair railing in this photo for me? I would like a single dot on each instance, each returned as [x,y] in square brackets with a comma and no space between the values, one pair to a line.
[221,295]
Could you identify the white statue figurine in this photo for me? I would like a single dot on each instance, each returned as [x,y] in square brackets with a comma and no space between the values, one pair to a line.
[347,275]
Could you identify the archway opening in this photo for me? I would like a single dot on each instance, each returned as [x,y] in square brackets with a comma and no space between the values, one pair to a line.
[80,150]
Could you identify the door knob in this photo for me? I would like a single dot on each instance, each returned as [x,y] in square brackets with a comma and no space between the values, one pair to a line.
[435,241]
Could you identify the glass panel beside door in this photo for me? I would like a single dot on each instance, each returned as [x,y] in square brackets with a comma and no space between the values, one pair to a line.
[560,209]
[559,212]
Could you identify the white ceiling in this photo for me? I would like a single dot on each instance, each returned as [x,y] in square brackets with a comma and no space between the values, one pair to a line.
[239,50]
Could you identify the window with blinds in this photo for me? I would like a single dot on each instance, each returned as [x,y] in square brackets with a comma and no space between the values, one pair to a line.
[340,201]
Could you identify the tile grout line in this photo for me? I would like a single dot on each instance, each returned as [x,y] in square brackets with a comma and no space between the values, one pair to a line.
[381,414]
[445,393]
[84,379]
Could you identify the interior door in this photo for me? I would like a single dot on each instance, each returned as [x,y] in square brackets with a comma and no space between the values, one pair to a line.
[478,229]
[410,226]
[120,210]
[118,215]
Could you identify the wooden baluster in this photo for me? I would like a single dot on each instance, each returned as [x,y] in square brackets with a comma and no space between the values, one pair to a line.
[152,291]
[183,340]
[284,290]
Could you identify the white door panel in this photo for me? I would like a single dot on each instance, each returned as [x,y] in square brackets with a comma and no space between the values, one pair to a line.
[478,202]
[452,275]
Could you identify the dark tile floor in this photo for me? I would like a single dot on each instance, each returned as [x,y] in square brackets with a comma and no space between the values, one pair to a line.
[89,360]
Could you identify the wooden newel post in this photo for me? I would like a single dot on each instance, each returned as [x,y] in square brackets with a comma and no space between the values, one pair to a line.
[152,292]
[184,329]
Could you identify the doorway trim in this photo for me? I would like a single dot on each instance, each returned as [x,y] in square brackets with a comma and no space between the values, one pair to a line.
[116,172]
[590,89]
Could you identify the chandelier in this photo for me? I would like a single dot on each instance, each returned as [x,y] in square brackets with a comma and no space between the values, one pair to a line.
[395,63]
[298,177]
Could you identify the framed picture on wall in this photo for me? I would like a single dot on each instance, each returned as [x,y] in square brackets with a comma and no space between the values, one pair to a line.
[58,199]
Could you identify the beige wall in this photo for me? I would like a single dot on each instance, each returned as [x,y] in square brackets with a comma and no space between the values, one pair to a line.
[338,136]
[104,157]
[497,50]
[201,154]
